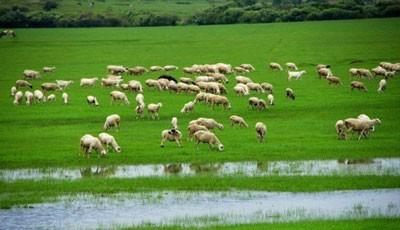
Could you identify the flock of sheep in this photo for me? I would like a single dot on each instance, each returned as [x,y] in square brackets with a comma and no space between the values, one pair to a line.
[208,87]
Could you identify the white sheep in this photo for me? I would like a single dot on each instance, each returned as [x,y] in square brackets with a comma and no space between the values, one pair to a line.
[31,74]
[242,79]
[274,65]
[156,68]
[270,98]
[116,69]
[153,110]
[296,74]
[241,89]
[65,98]
[109,82]
[256,87]
[209,138]
[139,110]
[50,86]
[88,81]
[207,122]
[361,126]
[291,66]
[365,117]
[290,94]
[139,98]
[22,84]
[29,97]
[88,143]
[18,97]
[324,72]
[248,67]
[13,91]
[267,87]
[382,85]
[109,141]
[220,100]
[64,84]
[164,83]
[113,120]
[48,69]
[186,80]
[261,130]
[119,96]
[39,96]
[170,68]
[171,135]
[151,83]
[238,120]
[188,107]
[51,98]
[135,86]
[192,128]
[174,123]
[340,129]
[92,100]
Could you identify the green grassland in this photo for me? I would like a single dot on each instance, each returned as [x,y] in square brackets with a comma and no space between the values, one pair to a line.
[47,135]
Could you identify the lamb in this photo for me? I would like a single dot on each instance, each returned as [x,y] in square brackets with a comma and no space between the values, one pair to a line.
[333,80]
[151,83]
[188,107]
[324,72]
[242,79]
[274,65]
[156,68]
[116,69]
[381,85]
[18,97]
[238,120]
[119,96]
[29,97]
[22,84]
[39,96]
[261,130]
[88,81]
[50,86]
[267,87]
[340,130]
[220,100]
[291,66]
[241,89]
[108,140]
[193,128]
[360,126]
[65,98]
[248,67]
[296,74]
[137,70]
[112,121]
[31,74]
[358,85]
[51,98]
[256,87]
[64,84]
[171,135]
[13,91]
[209,123]
[92,100]
[109,82]
[290,94]
[174,123]
[270,98]
[48,69]
[153,110]
[170,68]
[209,138]
[88,143]
[135,86]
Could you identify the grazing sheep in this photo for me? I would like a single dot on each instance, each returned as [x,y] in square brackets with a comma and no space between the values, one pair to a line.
[270,98]
[321,66]
[92,100]
[65,98]
[171,135]
[382,85]
[22,84]
[208,137]
[261,130]
[340,130]
[389,66]
[274,65]
[364,117]
[361,126]
[390,74]
[241,89]
[223,68]
[205,79]
[116,69]
[174,123]
[267,87]
[219,77]
[202,96]
[238,120]
[364,73]
[256,87]
[18,97]
[190,70]
[333,80]
[139,110]
[137,70]
[172,86]
[164,83]
[353,72]
[119,96]
[188,107]
[220,100]
[248,67]
[210,87]
[110,82]
[88,81]
[239,69]
[242,79]
[379,71]
[156,68]
[186,80]
[139,98]
[63,84]
[88,143]
[29,97]
[209,123]
[50,86]
[192,128]
[153,110]
[324,72]
[124,86]
[290,94]
[7,33]
[112,121]
[253,102]
[170,68]
[135,86]
[193,89]
[51,98]
[295,74]
[358,85]
[48,69]
[39,96]
[168,77]
[108,140]
[182,87]
[31,74]
[291,66]
[262,105]
[13,91]
[151,83]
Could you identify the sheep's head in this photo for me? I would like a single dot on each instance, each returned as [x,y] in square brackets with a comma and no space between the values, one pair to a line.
[377,121]
[118,149]
[103,152]
[159,104]
[220,126]
[221,147]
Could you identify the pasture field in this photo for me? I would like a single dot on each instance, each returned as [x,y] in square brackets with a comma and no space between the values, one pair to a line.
[47,135]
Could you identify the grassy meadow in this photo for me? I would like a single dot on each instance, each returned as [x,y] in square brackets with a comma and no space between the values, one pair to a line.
[47,135]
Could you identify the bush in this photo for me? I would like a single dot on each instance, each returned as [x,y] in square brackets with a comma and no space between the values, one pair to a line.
[49,5]
[391,11]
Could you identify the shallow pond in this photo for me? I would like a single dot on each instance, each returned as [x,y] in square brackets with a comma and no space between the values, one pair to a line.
[200,209]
